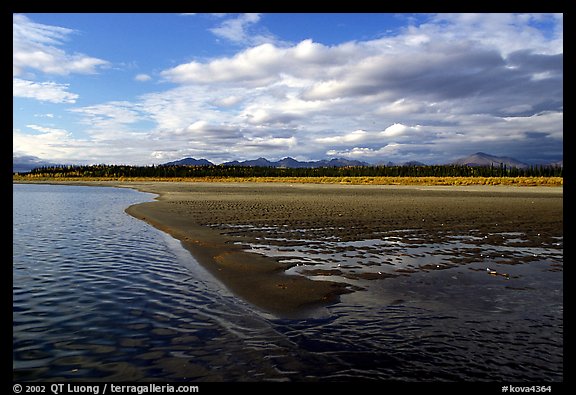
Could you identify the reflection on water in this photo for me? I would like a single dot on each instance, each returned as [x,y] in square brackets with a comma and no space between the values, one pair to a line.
[403,252]
[100,295]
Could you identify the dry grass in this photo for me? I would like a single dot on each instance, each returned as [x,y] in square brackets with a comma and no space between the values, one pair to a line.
[513,181]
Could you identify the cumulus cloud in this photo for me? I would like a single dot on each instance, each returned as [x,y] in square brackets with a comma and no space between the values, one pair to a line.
[55,133]
[505,32]
[396,131]
[227,101]
[255,65]
[110,121]
[390,150]
[240,30]
[452,85]
[43,142]
[37,47]
[177,108]
[61,146]
[212,134]
[142,77]
[266,64]
[402,82]
[43,91]
[269,142]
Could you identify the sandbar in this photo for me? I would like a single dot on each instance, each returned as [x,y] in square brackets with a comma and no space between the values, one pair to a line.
[215,221]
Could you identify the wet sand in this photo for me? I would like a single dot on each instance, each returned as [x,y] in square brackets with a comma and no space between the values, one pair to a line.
[219,222]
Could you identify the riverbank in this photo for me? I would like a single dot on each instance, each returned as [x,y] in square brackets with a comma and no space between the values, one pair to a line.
[421,181]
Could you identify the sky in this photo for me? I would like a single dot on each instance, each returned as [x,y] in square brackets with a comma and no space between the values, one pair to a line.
[144,89]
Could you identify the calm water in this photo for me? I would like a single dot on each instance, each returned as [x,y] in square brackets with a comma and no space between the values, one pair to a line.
[98,294]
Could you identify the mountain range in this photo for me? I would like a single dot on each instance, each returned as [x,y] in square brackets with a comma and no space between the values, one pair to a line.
[282,163]
[27,163]
[22,164]
[478,159]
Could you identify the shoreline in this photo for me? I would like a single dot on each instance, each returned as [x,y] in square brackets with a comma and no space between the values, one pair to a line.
[257,279]
[337,180]
[216,221]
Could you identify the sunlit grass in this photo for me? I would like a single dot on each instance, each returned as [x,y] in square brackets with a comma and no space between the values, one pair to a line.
[514,181]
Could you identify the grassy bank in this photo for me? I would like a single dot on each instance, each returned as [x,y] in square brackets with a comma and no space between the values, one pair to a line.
[513,181]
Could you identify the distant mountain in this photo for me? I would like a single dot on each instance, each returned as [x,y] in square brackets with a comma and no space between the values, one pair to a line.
[481,159]
[260,162]
[409,163]
[559,163]
[189,162]
[340,162]
[388,164]
[413,163]
[292,163]
[23,164]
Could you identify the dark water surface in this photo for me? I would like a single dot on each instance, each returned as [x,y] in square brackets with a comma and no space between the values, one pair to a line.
[98,294]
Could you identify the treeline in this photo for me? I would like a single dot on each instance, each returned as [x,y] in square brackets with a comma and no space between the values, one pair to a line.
[220,171]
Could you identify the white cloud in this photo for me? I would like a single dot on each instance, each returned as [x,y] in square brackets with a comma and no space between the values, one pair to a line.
[253,66]
[142,77]
[45,142]
[266,64]
[177,108]
[239,30]
[110,121]
[402,107]
[352,137]
[453,84]
[503,31]
[390,150]
[36,47]
[395,130]
[55,133]
[61,146]
[270,142]
[43,91]
[227,101]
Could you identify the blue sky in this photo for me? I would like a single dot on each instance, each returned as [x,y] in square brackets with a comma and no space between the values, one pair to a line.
[150,88]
